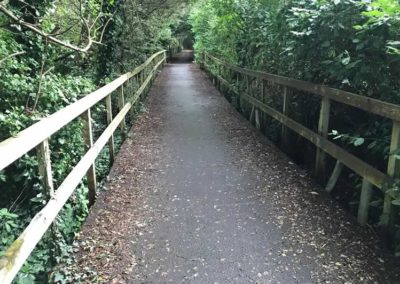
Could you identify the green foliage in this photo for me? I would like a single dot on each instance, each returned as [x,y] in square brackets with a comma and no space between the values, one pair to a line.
[38,78]
[350,45]
[8,223]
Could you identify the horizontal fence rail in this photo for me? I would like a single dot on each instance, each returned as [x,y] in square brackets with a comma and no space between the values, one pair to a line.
[38,135]
[218,69]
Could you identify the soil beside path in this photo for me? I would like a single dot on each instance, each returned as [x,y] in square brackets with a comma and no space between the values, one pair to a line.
[197,195]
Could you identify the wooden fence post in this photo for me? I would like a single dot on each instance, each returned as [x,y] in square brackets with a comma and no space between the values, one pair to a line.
[221,74]
[236,94]
[251,118]
[91,174]
[46,174]
[142,77]
[164,56]
[285,111]
[218,82]
[365,198]
[134,88]
[262,91]
[263,115]
[150,73]
[334,177]
[146,74]
[393,170]
[132,92]
[323,128]
[257,119]
[109,120]
[213,77]
[248,85]
[205,60]
[121,104]
[256,111]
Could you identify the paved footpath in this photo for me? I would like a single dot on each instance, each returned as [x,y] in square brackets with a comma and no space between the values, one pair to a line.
[197,195]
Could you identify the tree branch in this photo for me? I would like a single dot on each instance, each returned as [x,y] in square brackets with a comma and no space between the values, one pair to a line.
[11,55]
[42,75]
[49,37]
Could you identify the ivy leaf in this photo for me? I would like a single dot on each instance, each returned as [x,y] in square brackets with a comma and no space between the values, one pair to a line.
[346,60]
[372,145]
[359,141]
[346,81]
[396,202]
[393,42]
[8,227]
[26,279]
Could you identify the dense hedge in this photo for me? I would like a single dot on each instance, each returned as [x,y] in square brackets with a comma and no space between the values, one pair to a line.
[351,45]
[45,77]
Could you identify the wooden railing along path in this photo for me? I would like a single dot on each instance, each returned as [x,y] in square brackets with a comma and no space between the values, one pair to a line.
[38,135]
[219,69]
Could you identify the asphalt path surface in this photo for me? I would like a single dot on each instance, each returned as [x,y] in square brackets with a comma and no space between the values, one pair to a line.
[198,195]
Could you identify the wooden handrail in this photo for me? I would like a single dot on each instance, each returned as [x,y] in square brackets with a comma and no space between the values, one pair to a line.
[385,109]
[39,133]
[14,147]
[371,176]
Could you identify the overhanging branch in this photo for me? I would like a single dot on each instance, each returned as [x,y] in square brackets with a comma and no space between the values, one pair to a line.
[50,37]
[12,55]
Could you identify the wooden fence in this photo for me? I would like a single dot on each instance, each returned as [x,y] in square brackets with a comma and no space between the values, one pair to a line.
[38,135]
[218,69]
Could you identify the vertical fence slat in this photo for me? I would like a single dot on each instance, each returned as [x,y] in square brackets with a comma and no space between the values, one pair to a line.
[16,254]
[237,96]
[252,114]
[323,128]
[133,90]
[394,163]
[365,198]
[393,170]
[262,91]
[218,74]
[257,119]
[390,210]
[121,104]
[146,74]
[263,115]
[46,174]
[109,120]
[334,177]
[285,111]
[220,69]
[91,174]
